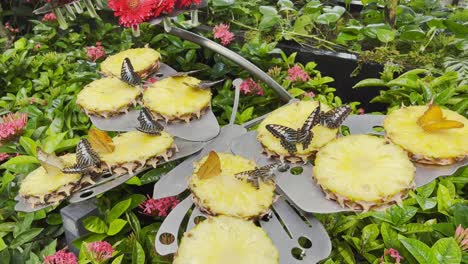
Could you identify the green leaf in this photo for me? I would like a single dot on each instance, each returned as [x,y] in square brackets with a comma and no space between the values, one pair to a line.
[51,143]
[327,18]
[345,251]
[389,236]
[444,199]
[118,260]
[138,254]
[426,190]
[460,214]
[20,164]
[115,226]
[25,237]
[134,181]
[420,251]
[54,219]
[91,237]
[3,245]
[7,226]
[403,82]
[118,209]
[95,225]
[222,2]
[28,145]
[385,35]
[49,249]
[371,82]
[370,233]
[134,223]
[413,228]
[447,251]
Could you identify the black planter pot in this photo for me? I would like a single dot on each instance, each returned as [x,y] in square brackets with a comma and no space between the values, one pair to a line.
[340,66]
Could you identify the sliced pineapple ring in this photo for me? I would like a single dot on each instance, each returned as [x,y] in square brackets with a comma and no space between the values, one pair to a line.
[363,172]
[294,116]
[144,60]
[136,150]
[226,240]
[39,187]
[226,195]
[172,99]
[107,97]
[441,147]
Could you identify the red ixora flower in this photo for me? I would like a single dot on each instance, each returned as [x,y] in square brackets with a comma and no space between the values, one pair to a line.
[310,94]
[160,207]
[249,86]
[61,257]
[187,3]
[95,52]
[134,12]
[10,28]
[100,251]
[12,125]
[49,17]
[296,73]
[4,156]
[394,254]
[222,33]
[461,236]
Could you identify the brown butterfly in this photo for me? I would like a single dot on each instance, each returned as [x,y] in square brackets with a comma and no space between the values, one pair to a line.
[52,164]
[433,120]
[211,167]
[100,141]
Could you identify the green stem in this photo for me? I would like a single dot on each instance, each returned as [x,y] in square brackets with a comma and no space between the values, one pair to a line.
[434,30]
[313,37]
[243,25]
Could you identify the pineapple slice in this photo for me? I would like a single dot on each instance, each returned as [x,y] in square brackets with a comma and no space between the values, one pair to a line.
[294,116]
[40,187]
[430,146]
[145,61]
[172,99]
[136,150]
[364,172]
[226,195]
[108,96]
[226,240]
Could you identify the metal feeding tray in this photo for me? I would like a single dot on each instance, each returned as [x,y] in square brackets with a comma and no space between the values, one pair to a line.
[302,189]
[202,129]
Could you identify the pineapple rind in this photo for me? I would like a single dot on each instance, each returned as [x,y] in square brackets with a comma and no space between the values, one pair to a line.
[108,96]
[226,240]
[144,60]
[226,195]
[440,147]
[294,116]
[171,99]
[363,171]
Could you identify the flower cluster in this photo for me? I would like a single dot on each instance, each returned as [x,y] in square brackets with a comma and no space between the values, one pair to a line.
[392,253]
[160,207]
[95,52]
[49,17]
[100,251]
[131,13]
[249,86]
[4,156]
[222,33]
[297,74]
[461,236]
[61,257]
[10,28]
[12,125]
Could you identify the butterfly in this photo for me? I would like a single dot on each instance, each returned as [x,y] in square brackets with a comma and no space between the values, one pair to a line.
[335,117]
[433,120]
[52,164]
[211,167]
[148,124]
[203,85]
[86,159]
[100,141]
[264,174]
[127,74]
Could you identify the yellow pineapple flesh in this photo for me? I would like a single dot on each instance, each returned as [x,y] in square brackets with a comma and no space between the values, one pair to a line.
[108,96]
[136,150]
[174,98]
[429,146]
[364,172]
[145,61]
[294,116]
[224,194]
[226,240]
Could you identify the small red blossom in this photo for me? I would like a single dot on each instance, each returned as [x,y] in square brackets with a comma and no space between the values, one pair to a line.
[310,94]
[49,17]
[152,80]
[61,257]
[249,86]
[222,33]
[392,253]
[461,236]
[187,3]
[361,111]
[134,12]
[10,28]
[12,125]
[160,207]
[4,156]
[95,52]
[296,74]
[100,251]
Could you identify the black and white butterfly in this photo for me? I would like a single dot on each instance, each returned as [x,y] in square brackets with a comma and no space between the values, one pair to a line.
[86,159]
[289,137]
[204,84]
[148,124]
[127,74]
[335,117]
[264,174]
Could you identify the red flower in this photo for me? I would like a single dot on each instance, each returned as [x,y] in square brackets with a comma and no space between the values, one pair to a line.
[187,3]
[100,250]
[222,32]
[310,94]
[461,236]
[12,125]
[10,28]
[134,12]
[249,86]
[49,17]
[163,7]
[160,207]
[4,156]
[61,257]
[394,254]
[94,53]
[296,73]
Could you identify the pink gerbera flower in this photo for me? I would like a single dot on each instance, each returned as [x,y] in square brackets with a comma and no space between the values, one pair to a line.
[100,251]
[160,207]
[296,74]
[12,125]
[222,33]
[249,86]
[163,7]
[133,12]
[187,3]
[49,17]
[95,52]
[61,257]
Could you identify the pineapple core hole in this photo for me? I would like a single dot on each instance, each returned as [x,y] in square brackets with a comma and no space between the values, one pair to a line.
[298,253]
[166,238]
[296,170]
[378,128]
[86,194]
[199,219]
[304,242]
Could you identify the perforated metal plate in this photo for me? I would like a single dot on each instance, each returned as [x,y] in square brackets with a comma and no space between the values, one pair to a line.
[303,191]
[23,206]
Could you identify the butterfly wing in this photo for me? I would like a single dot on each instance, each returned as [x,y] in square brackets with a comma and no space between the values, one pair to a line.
[50,162]
[211,167]
[312,120]
[204,84]
[288,136]
[259,174]
[100,141]
[86,158]
[335,117]
[127,74]
[148,124]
